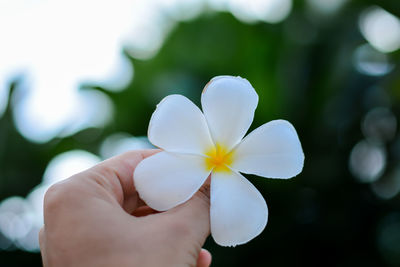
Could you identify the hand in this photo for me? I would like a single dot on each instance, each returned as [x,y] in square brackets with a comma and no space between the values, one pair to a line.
[96,218]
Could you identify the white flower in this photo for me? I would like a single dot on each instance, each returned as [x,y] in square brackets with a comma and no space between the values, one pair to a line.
[196,145]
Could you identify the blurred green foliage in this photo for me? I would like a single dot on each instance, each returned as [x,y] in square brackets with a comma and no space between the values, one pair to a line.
[303,71]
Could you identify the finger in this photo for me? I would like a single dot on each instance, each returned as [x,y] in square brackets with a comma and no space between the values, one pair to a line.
[204,259]
[115,175]
[42,246]
[194,214]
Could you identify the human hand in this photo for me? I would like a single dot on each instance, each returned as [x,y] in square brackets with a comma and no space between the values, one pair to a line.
[96,218]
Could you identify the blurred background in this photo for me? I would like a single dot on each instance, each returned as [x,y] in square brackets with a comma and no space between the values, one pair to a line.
[79,81]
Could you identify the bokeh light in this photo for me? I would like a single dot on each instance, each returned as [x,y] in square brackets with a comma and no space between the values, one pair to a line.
[271,11]
[14,221]
[40,116]
[119,143]
[67,164]
[60,56]
[369,61]
[367,161]
[379,125]
[381,29]
[389,185]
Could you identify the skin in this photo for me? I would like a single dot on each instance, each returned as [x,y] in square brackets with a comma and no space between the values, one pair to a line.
[96,218]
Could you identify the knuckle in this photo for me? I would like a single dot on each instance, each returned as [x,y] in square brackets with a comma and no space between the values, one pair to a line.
[104,170]
[54,197]
[106,177]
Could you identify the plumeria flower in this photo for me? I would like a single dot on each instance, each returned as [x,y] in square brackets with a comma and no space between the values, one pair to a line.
[196,145]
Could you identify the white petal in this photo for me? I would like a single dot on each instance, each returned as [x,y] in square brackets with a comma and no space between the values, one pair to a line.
[178,125]
[272,150]
[166,179]
[228,104]
[238,212]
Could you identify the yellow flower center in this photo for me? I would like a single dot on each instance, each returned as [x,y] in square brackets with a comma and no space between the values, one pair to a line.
[218,158]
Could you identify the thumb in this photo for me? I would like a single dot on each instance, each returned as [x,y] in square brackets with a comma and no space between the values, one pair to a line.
[194,215]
